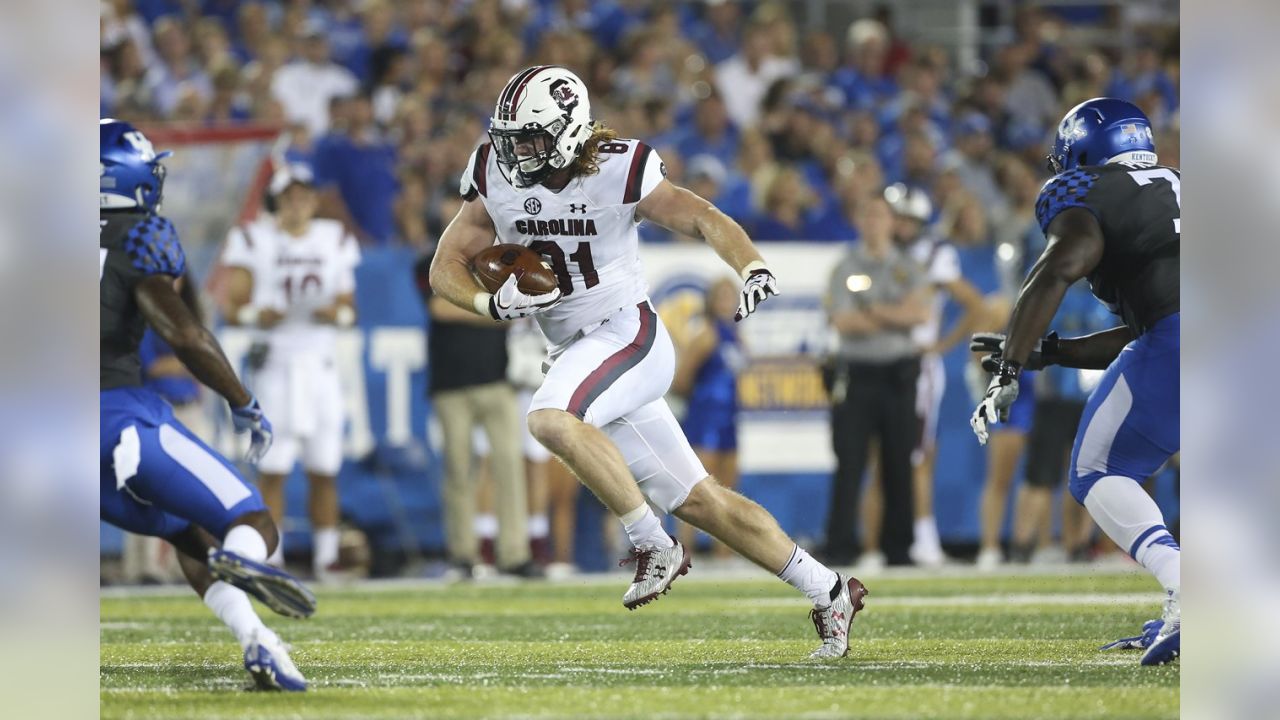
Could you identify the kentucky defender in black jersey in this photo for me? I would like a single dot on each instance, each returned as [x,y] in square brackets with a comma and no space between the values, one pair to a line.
[157,478]
[1111,215]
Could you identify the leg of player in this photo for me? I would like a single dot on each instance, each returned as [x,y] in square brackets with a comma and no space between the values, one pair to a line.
[1129,429]
[597,463]
[322,502]
[180,475]
[266,657]
[752,532]
[271,485]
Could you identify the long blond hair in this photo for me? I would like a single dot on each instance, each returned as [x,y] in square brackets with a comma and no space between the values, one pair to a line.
[588,161]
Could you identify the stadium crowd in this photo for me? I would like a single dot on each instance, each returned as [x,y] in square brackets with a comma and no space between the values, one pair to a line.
[786,128]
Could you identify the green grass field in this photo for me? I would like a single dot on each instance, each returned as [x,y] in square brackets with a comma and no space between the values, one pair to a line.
[952,647]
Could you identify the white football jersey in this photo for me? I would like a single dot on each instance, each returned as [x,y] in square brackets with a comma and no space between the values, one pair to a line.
[297,276]
[586,232]
[942,266]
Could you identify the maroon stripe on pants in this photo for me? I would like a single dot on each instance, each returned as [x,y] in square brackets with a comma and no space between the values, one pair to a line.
[616,364]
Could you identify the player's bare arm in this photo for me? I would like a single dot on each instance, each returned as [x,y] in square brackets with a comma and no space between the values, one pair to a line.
[238,307]
[470,231]
[192,342]
[1075,248]
[680,210]
[971,309]
[1093,352]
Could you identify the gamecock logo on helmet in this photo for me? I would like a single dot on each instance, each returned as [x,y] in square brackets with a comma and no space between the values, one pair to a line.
[564,95]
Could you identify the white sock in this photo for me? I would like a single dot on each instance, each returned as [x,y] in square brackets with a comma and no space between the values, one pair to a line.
[487,526]
[539,527]
[233,608]
[926,532]
[1133,521]
[246,542]
[324,547]
[644,529]
[810,577]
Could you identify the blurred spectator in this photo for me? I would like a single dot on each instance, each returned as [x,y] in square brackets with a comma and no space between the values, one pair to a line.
[786,202]
[865,79]
[1029,95]
[973,160]
[359,161]
[717,34]
[228,105]
[306,85]
[176,71]
[711,133]
[744,78]
[875,296]
[707,377]
[467,382]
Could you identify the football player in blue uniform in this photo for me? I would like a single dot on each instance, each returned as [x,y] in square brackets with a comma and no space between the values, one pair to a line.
[157,478]
[1111,215]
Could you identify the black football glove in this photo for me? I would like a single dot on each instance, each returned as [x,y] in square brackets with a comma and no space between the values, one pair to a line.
[1045,354]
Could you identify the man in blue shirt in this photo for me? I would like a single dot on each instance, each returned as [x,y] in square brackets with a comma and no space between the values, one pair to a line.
[361,165]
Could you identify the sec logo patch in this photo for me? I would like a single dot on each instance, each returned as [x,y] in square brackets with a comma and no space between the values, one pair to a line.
[533,206]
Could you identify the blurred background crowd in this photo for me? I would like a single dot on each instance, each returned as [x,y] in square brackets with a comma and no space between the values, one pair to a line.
[785,114]
[792,117]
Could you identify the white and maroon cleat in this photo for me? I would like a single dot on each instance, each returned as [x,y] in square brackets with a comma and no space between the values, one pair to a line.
[833,621]
[655,571]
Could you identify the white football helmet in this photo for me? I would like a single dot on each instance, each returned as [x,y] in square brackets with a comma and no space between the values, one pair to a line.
[541,122]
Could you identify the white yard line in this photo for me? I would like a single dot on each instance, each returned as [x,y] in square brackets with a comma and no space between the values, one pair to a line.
[994,600]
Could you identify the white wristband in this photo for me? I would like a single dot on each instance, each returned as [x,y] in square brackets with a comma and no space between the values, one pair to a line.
[751,267]
[344,316]
[247,315]
[481,303]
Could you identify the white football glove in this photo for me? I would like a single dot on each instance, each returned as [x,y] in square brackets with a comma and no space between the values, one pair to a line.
[995,405]
[510,303]
[759,285]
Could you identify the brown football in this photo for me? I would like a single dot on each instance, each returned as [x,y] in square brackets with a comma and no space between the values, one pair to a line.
[494,264]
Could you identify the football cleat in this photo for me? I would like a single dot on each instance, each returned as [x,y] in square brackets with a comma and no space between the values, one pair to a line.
[1150,629]
[267,660]
[832,622]
[276,588]
[655,571]
[1168,642]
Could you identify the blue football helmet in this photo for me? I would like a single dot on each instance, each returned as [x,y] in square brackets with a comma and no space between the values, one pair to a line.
[131,175]
[1098,130]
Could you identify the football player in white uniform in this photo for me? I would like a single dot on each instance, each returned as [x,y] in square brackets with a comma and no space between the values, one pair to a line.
[570,189]
[293,276]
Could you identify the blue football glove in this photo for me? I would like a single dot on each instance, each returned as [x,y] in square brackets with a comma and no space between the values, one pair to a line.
[250,418]
[1150,629]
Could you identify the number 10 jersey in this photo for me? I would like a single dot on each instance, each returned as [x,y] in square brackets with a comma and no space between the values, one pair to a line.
[586,232]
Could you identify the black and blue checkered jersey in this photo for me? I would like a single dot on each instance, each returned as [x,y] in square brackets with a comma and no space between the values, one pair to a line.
[132,246]
[1138,209]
